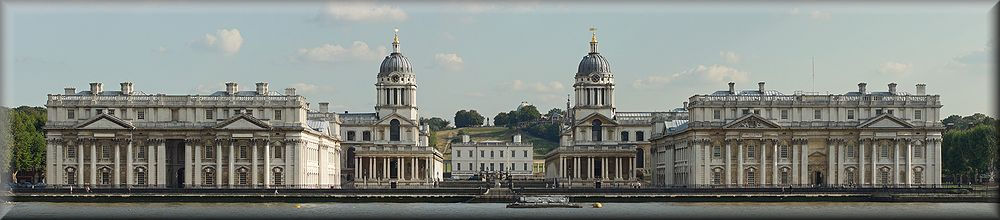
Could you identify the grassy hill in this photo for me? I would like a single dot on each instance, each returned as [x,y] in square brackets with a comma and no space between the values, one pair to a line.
[442,138]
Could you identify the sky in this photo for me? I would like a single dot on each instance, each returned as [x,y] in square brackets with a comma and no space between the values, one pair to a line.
[491,56]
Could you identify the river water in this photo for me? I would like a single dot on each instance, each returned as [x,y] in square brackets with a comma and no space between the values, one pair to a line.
[30,210]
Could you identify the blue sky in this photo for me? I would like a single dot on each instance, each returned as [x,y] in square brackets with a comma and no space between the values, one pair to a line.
[492,56]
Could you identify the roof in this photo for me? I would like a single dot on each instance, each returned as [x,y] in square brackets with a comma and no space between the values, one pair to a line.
[318,125]
[393,63]
[593,63]
[746,92]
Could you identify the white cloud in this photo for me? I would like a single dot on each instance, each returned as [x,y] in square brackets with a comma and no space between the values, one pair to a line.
[449,61]
[335,52]
[361,11]
[730,57]
[485,7]
[540,87]
[227,41]
[820,15]
[305,87]
[713,74]
[894,68]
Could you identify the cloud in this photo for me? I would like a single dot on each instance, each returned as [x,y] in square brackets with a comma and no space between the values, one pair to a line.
[712,74]
[476,7]
[550,87]
[227,41]
[730,57]
[894,68]
[979,56]
[820,15]
[305,87]
[358,51]
[449,61]
[361,11]
[160,49]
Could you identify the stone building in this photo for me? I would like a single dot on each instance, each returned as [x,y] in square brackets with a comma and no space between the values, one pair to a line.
[763,138]
[389,147]
[472,157]
[599,145]
[228,139]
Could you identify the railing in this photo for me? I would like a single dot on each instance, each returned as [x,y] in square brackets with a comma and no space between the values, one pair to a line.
[173,100]
[818,99]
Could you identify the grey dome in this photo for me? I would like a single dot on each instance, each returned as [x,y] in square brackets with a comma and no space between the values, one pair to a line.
[395,62]
[593,63]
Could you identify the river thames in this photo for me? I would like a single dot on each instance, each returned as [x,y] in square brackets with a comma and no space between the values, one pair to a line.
[37,210]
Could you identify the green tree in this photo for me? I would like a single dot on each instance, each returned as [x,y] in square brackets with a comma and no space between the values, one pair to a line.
[501,119]
[27,146]
[969,148]
[469,118]
[528,114]
[435,123]
[554,112]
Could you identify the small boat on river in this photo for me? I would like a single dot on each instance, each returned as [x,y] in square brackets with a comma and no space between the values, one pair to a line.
[543,202]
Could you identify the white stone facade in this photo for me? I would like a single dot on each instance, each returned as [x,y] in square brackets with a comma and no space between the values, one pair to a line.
[472,157]
[761,138]
[229,139]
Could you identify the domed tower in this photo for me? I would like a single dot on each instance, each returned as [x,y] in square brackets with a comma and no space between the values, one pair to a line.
[397,85]
[595,84]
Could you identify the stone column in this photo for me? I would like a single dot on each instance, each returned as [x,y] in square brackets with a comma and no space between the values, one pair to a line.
[831,161]
[385,168]
[413,168]
[232,166]
[188,169]
[267,164]
[590,165]
[561,165]
[605,171]
[739,168]
[862,147]
[804,144]
[253,165]
[218,163]
[196,170]
[909,165]
[371,168]
[618,168]
[161,164]
[129,179]
[774,166]
[117,182]
[841,158]
[763,164]
[93,164]
[937,161]
[928,172]
[895,161]
[727,160]
[57,171]
[79,167]
[874,163]
[632,166]
[707,171]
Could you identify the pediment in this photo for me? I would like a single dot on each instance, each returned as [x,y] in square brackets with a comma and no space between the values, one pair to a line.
[751,121]
[402,120]
[105,121]
[885,121]
[605,121]
[243,122]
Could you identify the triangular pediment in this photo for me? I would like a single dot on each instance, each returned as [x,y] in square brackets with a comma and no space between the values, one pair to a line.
[402,120]
[751,121]
[885,121]
[605,121]
[243,122]
[105,121]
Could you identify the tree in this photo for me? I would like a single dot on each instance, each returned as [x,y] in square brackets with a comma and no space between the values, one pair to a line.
[528,114]
[27,146]
[501,119]
[468,118]
[435,123]
[969,148]
[554,112]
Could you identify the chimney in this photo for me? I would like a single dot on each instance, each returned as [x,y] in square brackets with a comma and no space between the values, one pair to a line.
[324,107]
[685,105]
[465,138]
[892,88]
[231,88]
[262,88]
[861,88]
[760,87]
[517,138]
[96,88]
[289,91]
[731,89]
[69,91]
[921,89]
[127,88]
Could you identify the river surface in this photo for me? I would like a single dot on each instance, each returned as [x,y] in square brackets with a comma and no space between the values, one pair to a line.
[661,210]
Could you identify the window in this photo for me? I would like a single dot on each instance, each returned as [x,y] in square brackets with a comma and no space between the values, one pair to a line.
[140,176]
[746,111]
[889,111]
[471,167]
[241,174]
[250,112]
[718,114]
[209,114]
[71,152]
[394,130]
[751,175]
[756,111]
[851,151]
[784,114]
[482,166]
[140,152]
[640,136]
[717,152]
[105,152]
[70,176]
[918,151]
[105,176]
[751,151]
[524,166]
[100,111]
[884,151]
[458,166]
[458,153]
[140,114]
[501,154]
[501,166]
[525,153]
[817,114]
[471,155]
[111,112]
[624,135]
[717,176]
[491,167]
[277,114]
[366,135]
[277,174]
[852,176]
[918,175]
[883,175]
[850,114]
[482,153]
[596,130]
[209,152]
[236,112]
[783,152]
[917,114]
[878,111]
[492,154]
[175,115]
[350,135]
[279,151]
[208,176]
[243,152]
[785,176]
[71,114]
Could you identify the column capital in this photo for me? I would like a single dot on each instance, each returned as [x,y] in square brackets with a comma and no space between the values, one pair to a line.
[799,140]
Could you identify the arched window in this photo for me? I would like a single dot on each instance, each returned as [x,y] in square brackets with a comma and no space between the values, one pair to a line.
[104,176]
[350,135]
[639,157]
[918,175]
[208,176]
[717,176]
[276,173]
[640,136]
[241,173]
[786,176]
[751,176]
[71,176]
[394,130]
[596,130]
[366,135]
[624,135]
[883,175]
[140,176]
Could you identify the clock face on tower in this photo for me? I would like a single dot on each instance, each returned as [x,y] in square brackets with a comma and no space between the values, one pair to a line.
[595,78]
[395,78]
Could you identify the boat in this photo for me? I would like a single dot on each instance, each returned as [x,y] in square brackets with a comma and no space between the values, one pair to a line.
[543,202]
